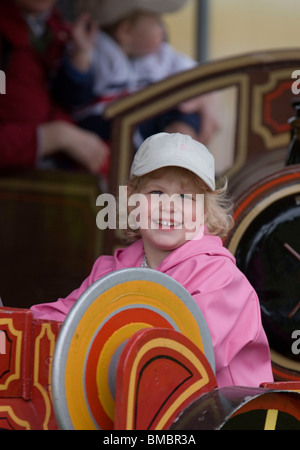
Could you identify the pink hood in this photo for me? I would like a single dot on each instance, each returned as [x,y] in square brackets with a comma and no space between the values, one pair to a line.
[227,300]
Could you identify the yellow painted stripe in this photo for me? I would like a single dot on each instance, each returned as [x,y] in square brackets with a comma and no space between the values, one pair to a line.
[11,414]
[271,419]
[45,331]
[162,342]
[18,346]
[103,365]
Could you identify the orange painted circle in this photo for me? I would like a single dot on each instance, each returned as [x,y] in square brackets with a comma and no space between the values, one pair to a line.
[98,396]
[107,323]
[93,335]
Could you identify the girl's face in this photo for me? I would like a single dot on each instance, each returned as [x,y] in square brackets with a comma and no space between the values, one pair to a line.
[172,214]
[35,6]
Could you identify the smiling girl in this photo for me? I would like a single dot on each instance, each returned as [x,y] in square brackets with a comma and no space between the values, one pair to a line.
[187,246]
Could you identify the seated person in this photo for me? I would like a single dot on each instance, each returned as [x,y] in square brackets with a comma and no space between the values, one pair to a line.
[130,52]
[172,238]
[33,38]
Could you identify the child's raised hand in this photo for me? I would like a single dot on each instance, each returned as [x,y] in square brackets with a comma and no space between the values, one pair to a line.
[83,34]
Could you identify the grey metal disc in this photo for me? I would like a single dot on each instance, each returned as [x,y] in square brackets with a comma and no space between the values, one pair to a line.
[86,300]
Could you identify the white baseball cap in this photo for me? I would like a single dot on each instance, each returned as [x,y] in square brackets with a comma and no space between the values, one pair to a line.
[164,150]
[107,12]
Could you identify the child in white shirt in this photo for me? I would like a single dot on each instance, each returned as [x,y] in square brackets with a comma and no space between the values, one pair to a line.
[129,53]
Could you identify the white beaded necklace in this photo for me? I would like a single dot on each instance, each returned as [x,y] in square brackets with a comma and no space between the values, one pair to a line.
[144,263]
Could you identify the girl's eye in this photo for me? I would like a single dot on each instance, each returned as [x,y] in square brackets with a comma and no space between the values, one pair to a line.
[156,192]
[187,196]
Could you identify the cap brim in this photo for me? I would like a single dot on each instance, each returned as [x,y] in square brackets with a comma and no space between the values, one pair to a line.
[178,163]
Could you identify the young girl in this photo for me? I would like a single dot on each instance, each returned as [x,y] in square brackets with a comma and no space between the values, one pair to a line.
[189,249]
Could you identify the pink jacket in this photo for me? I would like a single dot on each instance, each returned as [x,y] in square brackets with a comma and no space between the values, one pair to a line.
[228,302]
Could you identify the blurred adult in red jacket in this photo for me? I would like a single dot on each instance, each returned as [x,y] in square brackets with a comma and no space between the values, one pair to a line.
[32,127]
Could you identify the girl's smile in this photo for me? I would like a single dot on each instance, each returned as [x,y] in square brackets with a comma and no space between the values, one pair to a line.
[171,216]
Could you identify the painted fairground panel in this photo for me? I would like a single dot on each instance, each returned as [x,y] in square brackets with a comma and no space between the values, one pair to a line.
[48,234]
[25,371]
[123,360]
